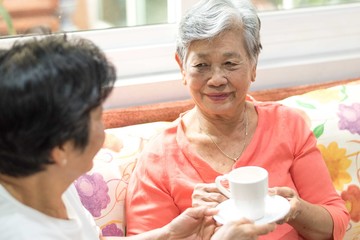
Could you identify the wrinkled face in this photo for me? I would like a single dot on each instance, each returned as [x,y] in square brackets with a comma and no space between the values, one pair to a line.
[81,161]
[218,73]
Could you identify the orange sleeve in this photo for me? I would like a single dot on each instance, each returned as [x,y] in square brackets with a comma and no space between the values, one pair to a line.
[310,174]
[148,204]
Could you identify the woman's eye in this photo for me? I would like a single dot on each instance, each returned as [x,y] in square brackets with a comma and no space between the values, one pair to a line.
[230,64]
[201,65]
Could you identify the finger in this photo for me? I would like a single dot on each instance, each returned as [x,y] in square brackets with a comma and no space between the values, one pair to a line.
[200,212]
[217,227]
[286,218]
[282,221]
[206,187]
[294,215]
[285,192]
[272,191]
[290,216]
[265,229]
[205,204]
[242,221]
[211,201]
[211,211]
[196,212]
[210,197]
[216,197]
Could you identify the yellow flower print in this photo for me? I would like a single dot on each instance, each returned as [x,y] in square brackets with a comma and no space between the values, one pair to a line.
[337,163]
[327,95]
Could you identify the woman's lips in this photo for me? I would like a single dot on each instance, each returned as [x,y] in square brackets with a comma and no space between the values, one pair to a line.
[218,96]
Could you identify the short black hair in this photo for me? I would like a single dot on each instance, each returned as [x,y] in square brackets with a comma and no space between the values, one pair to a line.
[48,86]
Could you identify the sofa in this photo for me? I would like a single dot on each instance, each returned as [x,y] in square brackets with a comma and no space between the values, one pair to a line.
[331,109]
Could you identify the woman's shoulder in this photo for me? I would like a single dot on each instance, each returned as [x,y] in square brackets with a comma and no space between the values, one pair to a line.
[279,111]
[275,107]
[158,142]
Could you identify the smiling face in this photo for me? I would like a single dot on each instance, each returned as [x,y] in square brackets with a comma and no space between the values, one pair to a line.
[218,73]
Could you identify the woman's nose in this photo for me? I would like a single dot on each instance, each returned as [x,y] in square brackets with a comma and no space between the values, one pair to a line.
[218,77]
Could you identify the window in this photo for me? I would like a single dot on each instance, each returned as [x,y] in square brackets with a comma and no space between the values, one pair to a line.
[271,5]
[100,14]
[300,46]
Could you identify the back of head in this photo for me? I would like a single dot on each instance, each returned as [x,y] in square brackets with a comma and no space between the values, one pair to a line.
[209,18]
[48,87]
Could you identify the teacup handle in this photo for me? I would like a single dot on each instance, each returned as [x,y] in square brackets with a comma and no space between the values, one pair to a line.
[221,188]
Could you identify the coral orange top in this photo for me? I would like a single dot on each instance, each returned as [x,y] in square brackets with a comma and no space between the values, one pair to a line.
[162,183]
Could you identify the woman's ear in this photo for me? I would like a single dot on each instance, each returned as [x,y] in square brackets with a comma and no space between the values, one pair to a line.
[58,155]
[178,60]
[253,74]
[180,63]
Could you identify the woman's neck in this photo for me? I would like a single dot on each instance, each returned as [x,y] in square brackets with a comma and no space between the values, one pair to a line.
[223,123]
[38,192]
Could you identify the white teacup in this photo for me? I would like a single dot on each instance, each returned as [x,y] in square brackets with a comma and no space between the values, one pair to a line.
[248,190]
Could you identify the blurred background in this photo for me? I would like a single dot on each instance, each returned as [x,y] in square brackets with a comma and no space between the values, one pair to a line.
[32,16]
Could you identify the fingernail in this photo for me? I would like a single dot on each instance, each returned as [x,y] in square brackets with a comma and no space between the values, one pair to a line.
[271,191]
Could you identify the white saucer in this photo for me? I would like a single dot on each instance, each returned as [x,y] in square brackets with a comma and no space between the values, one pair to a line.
[276,207]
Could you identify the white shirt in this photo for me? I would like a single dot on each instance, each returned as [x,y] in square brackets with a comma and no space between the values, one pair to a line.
[20,222]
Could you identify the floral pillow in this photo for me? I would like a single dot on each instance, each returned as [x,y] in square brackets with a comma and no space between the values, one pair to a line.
[334,115]
[102,190]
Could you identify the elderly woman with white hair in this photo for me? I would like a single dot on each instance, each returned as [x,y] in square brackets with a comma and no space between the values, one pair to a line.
[217,52]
